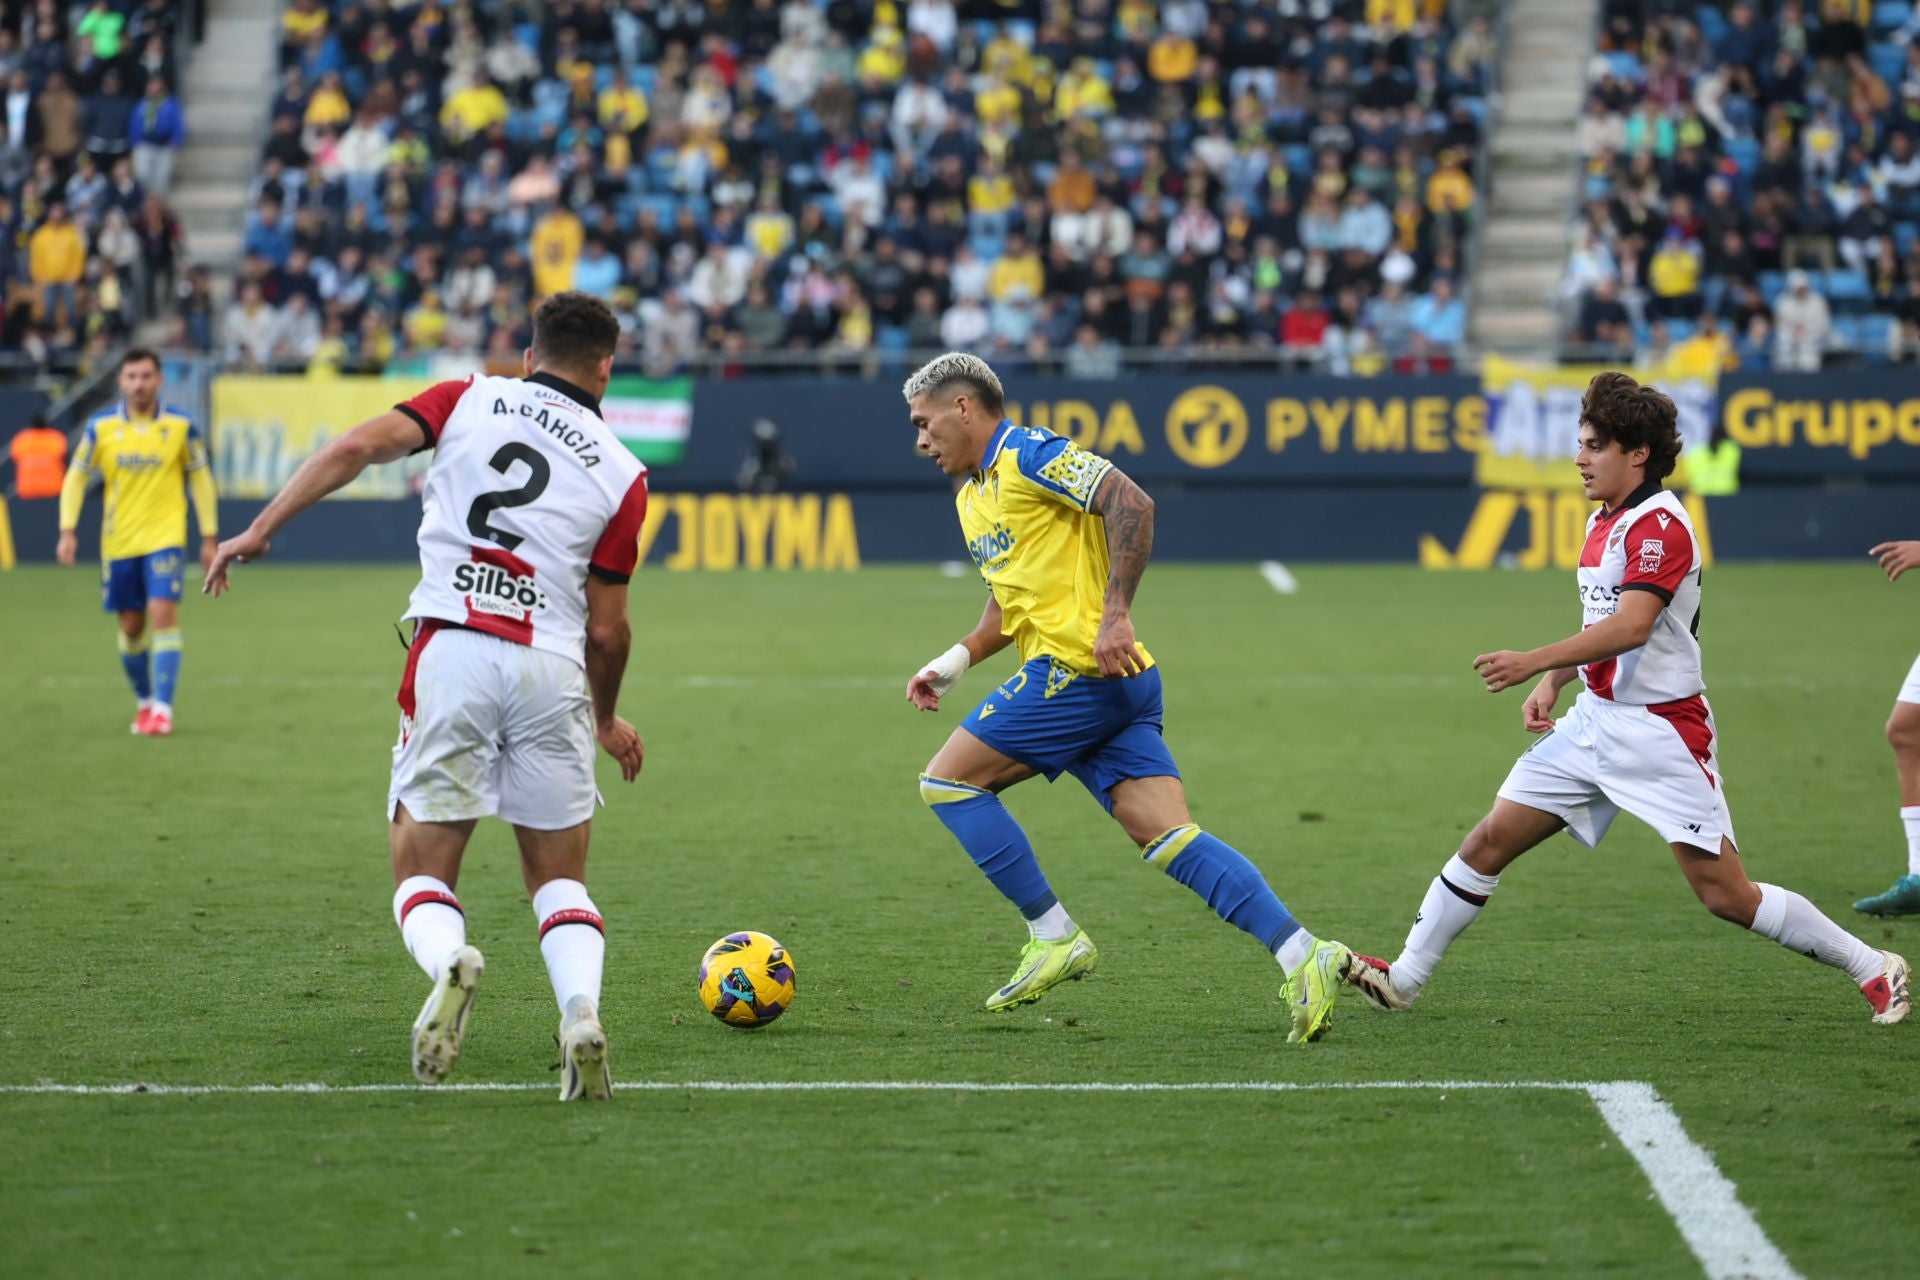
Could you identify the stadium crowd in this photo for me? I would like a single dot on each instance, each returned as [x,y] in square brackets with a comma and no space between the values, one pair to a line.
[1751,184]
[1056,180]
[89,127]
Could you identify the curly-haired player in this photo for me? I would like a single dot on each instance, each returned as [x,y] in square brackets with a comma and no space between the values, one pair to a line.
[1641,736]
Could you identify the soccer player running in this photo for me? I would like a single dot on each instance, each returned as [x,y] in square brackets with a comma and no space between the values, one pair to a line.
[1061,537]
[149,456]
[1640,738]
[528,536]
[1903,733]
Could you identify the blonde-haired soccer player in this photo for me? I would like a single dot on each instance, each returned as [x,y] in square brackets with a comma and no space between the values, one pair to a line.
[149,456]
[1061,537]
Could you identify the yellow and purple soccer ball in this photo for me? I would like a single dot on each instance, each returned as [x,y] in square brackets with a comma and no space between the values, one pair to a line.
[746,979]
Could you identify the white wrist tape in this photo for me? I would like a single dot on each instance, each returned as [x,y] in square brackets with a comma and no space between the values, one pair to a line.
[947,669]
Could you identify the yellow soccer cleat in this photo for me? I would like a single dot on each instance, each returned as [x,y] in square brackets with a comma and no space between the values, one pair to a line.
[1312,988]
[1042,965]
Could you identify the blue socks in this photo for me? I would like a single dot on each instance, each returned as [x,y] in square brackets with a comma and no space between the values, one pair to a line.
[133,660]
[995,842]
[166,664]
[1232,886]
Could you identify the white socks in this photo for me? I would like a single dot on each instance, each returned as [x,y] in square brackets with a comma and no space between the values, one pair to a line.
[1910,819]
[1293,952]
[1798,925]
[573,940]
[572,936]
[1453,900]
[431,922]
[1055,925]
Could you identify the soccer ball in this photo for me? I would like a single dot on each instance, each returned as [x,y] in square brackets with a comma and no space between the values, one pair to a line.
[746,979]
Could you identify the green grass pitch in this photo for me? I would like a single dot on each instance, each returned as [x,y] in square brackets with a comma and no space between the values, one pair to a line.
[215,909]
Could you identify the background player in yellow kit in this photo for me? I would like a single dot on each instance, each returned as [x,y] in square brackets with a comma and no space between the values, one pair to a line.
[1061,537]
[148,456]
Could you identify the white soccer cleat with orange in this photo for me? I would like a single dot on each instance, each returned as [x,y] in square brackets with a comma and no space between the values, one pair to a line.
[583,1055]
[1888,992]
[442,1023]
[1373,978]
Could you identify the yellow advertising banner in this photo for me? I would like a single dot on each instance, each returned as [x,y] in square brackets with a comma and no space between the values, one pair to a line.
[264,428]
[1533,417]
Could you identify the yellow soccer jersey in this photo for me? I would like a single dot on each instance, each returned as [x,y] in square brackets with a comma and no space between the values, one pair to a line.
[146,465]
[1043,553]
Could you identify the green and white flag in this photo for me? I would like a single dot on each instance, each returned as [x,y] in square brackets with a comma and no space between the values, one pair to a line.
[652,416]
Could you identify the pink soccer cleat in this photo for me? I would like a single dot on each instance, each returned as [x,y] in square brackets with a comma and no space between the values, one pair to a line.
[159,724]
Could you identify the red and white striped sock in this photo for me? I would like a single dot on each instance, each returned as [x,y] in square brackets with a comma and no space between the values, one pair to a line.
[431,921]
[572,940]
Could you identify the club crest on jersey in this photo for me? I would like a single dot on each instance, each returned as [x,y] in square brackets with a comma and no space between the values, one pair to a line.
[491,589]
[1652,552]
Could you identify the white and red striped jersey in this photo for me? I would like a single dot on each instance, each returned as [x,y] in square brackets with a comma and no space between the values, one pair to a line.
[529,492]
[1647,544]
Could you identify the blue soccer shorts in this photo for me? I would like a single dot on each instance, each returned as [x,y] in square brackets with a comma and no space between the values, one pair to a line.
[1054,720]
[127,585]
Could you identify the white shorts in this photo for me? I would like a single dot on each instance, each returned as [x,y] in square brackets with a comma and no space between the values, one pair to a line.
[1604,757]
[497,728]
[1910,691]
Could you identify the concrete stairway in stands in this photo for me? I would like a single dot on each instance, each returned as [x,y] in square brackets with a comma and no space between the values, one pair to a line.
[228,87]
[1523,244]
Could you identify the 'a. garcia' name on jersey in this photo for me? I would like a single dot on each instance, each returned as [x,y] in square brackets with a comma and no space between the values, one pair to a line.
[491,589]
[991,545]
[578,442]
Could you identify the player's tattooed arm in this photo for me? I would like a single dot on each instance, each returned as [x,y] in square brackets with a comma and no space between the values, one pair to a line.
[1128,513]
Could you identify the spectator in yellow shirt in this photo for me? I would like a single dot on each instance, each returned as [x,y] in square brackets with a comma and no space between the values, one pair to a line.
[1172,58]
[555,248]
[1390,15]
[329,106]
[1705,354]
[1449,190]
[426,322]
[997,104]
[474,109]
[1081,92]
[1674,275]
[1018,268]
[299,22]
[884,61]
[56,259]
[990,196]
[623,108]
[769,230]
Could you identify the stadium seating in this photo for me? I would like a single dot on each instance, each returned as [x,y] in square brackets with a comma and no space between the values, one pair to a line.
[848,156]
[1768,136]
[89,126]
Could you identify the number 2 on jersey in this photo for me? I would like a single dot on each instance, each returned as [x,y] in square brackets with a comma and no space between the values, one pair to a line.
[487,503]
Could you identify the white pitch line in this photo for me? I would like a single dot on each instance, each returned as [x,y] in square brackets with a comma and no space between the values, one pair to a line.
[1278,578]
[1719,1229]
[1721,1232]
[819,1086]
